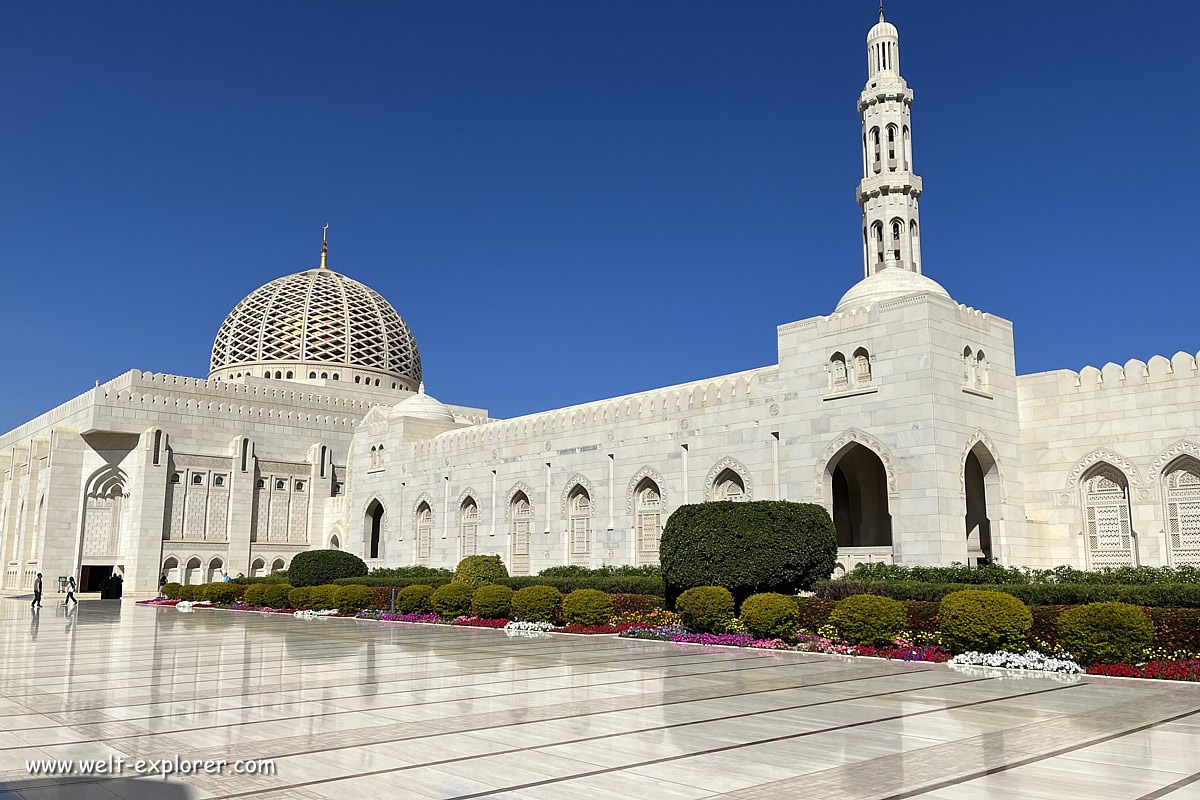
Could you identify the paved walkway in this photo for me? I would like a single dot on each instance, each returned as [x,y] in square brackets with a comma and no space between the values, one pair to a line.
[348,709]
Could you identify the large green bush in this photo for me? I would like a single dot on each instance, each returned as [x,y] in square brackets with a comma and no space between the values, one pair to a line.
[319,567]
[537,604]
[587,607]
[613,584]
[868,619]
[770,615]
[623,571]
[1105,633]
[323,597]
[300,598]
[492,602]
[171,590]
[417,571]
[219,593]
[190,593]
[277,595]
[760,546]
[415,599]
[480,571]
[986,621]
[352,599]
[705,609]
[453,599]
[255,594]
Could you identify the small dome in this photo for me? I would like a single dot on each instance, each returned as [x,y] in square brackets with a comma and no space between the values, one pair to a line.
[882,28]
[317,320]
[888,284]
[422,406]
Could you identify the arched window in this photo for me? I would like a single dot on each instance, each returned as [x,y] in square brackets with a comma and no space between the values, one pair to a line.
[335,376]
[170,569]
[521,514]
[377,381]
[358,379]
[729,486]
[1107,529]
[862,366]
[875,162]
[174,477]
[891,147]
[897,235]
[837,371]
[374,529]
[219,480]
[214,570]
[334,543]
[278,374]
[258,568]
[1182,497]
[877,235]
[324,375]
[312,376]
[424,531]
[374,457]
[579,506]
[278,565]
[290,375]
[968,366]
[907,149]
[261,484]
[280,485]
[191,573]
[468,527]
[649,509]
[197,480]
[267,374]
[914,246]
[981,371]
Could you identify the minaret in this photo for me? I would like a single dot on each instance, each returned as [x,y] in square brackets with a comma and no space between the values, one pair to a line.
[889,190]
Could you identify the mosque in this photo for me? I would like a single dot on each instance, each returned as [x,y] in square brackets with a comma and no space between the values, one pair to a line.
[900,411]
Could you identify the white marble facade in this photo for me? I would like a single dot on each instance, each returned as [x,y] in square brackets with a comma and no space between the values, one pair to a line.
[901,412]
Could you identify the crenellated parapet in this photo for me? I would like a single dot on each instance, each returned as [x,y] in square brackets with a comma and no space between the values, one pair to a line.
[1159,371]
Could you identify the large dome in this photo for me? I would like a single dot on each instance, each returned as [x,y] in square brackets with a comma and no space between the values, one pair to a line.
[889,284]
[317,325]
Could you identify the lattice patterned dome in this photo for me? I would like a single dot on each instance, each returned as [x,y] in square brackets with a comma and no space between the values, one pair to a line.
[317,325]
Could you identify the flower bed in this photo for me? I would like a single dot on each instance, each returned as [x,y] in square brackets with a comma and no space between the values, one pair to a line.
[1029,660]
[479,622]
[1167,670]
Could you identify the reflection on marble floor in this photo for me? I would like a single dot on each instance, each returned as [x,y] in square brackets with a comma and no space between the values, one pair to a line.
[347,709]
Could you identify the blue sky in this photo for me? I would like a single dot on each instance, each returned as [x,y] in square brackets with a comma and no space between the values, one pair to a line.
[570,201]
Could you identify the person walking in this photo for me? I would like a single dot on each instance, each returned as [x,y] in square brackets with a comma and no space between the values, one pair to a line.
[71,591]
[37,592]
[162,581]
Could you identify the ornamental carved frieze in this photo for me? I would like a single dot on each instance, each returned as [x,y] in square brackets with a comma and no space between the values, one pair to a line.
[1098,456]
[855,436]
[978,436]
[579,480]
[519,486]
[722,465]
[645,472]
[1164,459]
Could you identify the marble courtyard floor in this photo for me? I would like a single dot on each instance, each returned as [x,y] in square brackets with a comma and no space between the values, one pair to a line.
[349,709]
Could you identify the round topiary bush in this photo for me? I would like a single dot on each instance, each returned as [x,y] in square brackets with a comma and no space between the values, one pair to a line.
[587,607]
[277,595]
[492,602]
[171,590]
[352,599]
[255,595]
[300,598]
[189,593]
[219,593]
[770,615]
[414,599]
[537,604]
[323,597]
[974,619]
[705,609]
[760,546]
[480,571]
[1105,633]
[869,619]
[319,567]
[453,599]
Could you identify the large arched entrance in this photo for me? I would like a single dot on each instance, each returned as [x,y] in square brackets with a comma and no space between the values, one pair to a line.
[374,528]
[860,498]
[981,484]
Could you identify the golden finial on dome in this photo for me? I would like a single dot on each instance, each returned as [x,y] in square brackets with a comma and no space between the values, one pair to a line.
[324,247]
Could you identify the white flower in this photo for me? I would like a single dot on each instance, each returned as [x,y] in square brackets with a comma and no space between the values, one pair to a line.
[188,605]
[1030,659]
[527,628]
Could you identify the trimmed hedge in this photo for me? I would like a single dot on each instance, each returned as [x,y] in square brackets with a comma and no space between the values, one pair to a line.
[323,597]
[189,592]
[255,595]
[537,604]
[986,621]
[624,571]
[758,546]
[634,603]
[1105,633]
[277,595]
[171,590]
[993,574]
[1161,595]
[352,599]
[705,609]
[415,599]
[771,616]
[587,607]
[868,619]
[275,577]
[480,571]
[322,567]
[219,592]
[492,602]
[613,584]
[415,571]
[453,599]
[300,598]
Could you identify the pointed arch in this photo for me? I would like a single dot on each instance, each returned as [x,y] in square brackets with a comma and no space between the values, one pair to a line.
[1158,467]
[578,479]
[466,494]
[1108,535]
[1102,454]
[374,532]
[520,487]
[730,464]
[837,448]
[638,477]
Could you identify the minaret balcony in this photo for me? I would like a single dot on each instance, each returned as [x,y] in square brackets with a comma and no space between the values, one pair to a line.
[899,182]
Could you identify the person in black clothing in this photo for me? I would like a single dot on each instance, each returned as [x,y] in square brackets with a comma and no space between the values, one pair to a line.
[162,581]
[37,592]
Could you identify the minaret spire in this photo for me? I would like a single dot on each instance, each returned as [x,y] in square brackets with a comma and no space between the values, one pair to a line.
[889,190]
[324,247]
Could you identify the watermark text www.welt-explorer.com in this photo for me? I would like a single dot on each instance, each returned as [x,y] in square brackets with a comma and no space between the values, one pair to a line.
[115,765]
